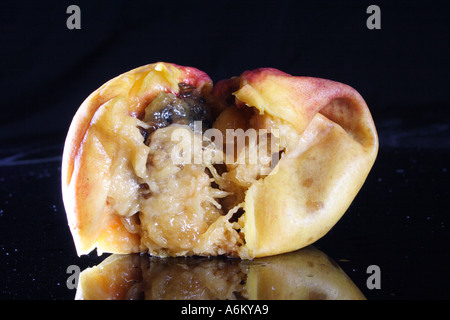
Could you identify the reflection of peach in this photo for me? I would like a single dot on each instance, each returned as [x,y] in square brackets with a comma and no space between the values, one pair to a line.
[123,194]
[306,274]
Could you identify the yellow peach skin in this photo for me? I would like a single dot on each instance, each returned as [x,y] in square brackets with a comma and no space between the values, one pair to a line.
[318,180]
[330,149]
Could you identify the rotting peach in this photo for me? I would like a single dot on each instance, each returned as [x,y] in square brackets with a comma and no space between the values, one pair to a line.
[123,192]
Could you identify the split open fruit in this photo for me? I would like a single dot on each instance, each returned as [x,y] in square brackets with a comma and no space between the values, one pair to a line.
[126,190]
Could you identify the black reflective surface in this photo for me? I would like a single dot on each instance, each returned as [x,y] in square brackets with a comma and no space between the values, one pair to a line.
[399,222]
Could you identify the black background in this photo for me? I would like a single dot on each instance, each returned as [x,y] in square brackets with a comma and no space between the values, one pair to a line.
[400,219]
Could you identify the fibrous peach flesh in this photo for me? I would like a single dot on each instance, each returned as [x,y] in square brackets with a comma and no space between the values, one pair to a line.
[193,208]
